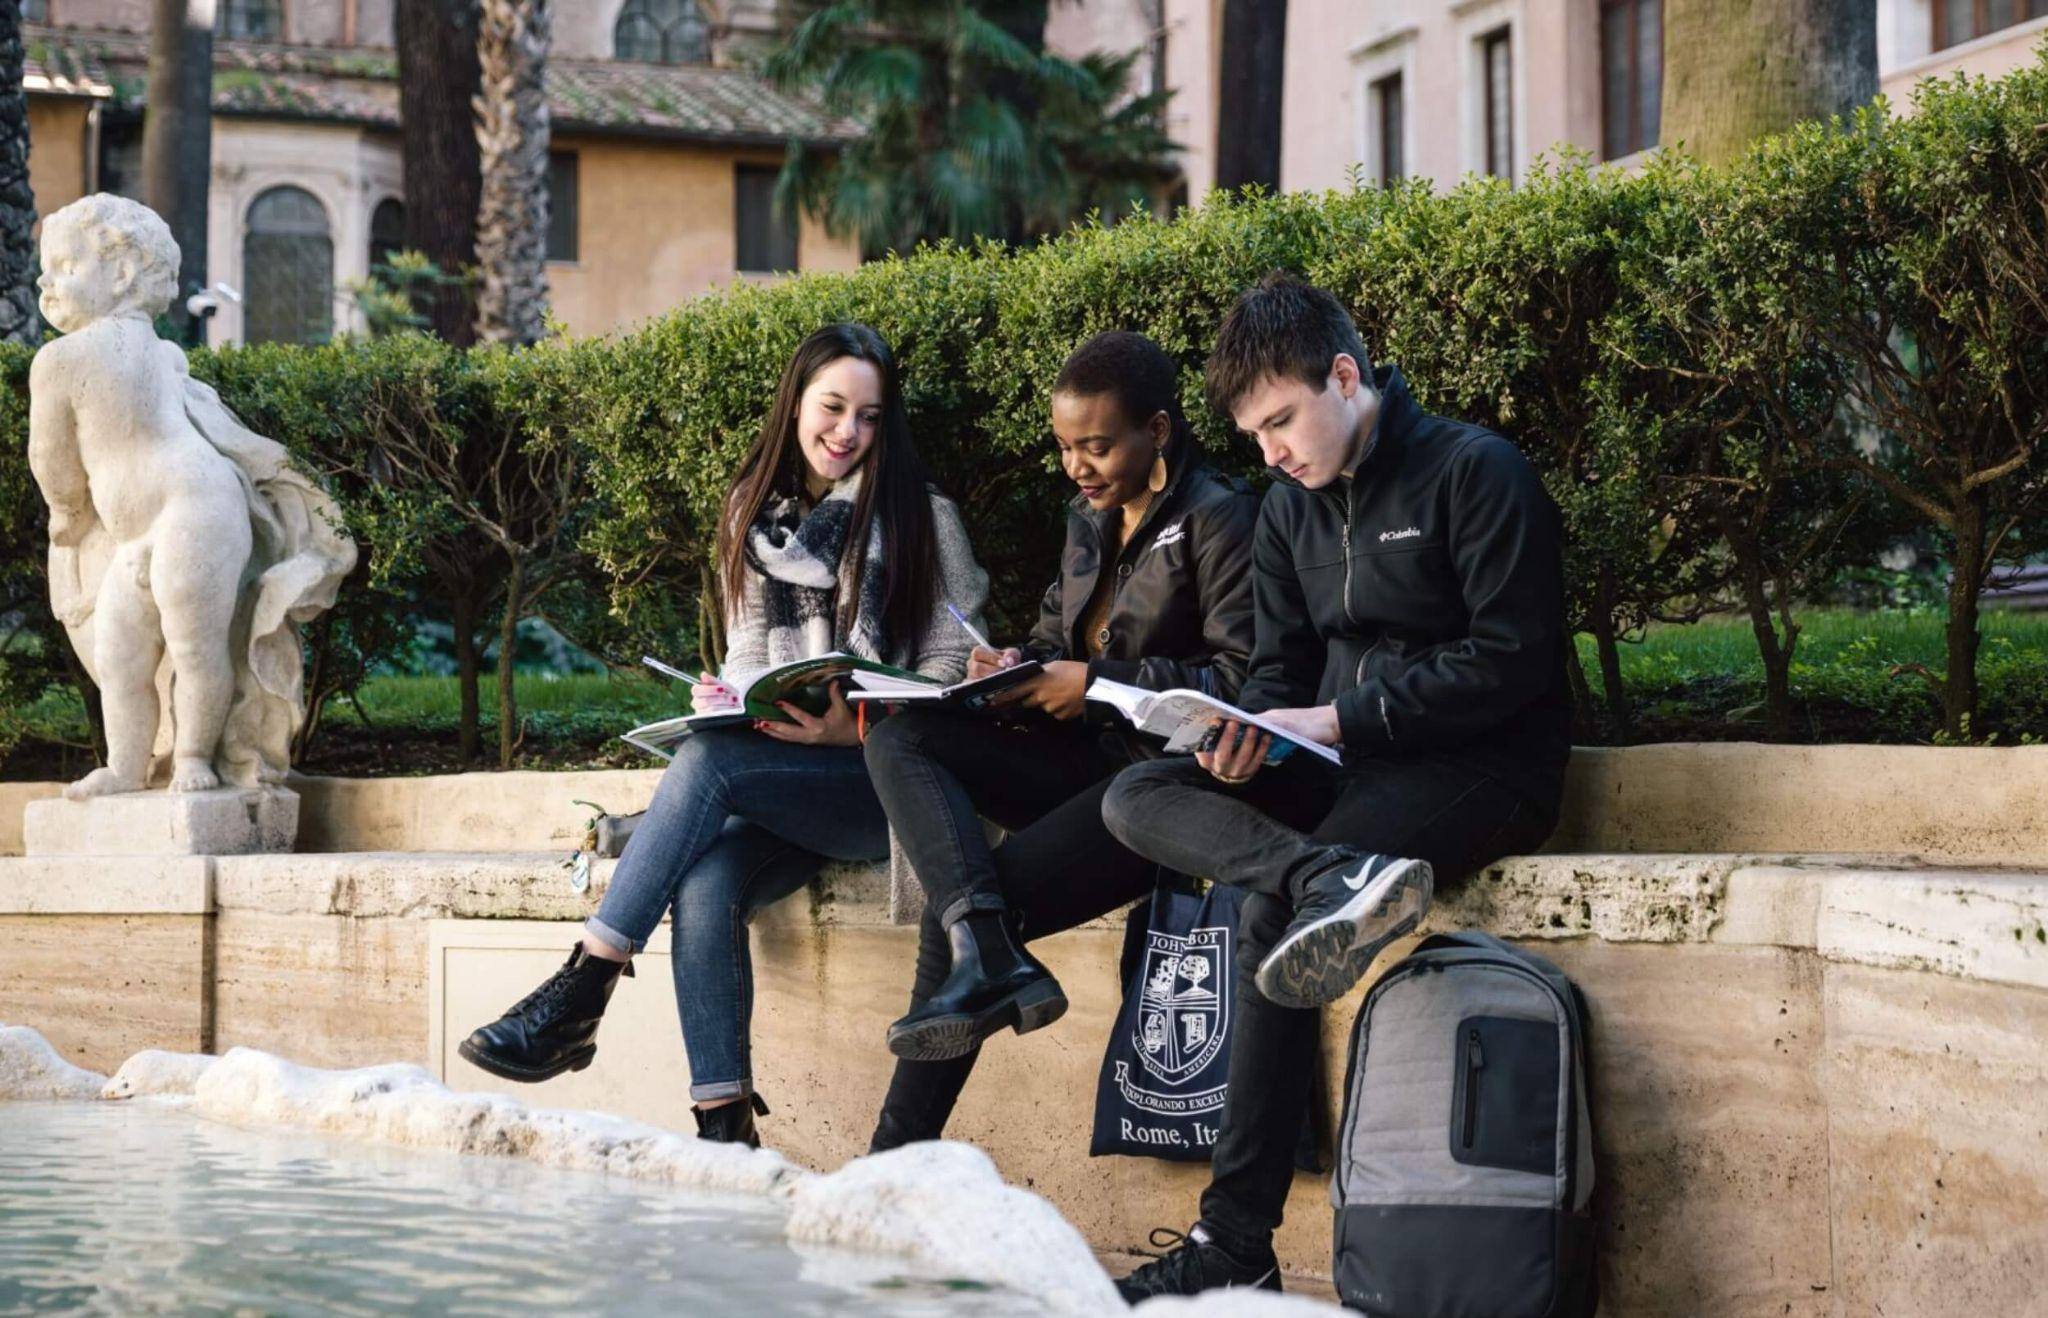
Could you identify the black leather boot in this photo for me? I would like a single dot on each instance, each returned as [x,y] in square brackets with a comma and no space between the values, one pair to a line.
[553,1028]
[731,1123]
[994,983]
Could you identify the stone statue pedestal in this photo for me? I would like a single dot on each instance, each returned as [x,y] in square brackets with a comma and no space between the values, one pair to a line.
[228,821]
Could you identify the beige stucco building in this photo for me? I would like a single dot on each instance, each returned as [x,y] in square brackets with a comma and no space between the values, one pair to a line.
[663,154]
[1442,88]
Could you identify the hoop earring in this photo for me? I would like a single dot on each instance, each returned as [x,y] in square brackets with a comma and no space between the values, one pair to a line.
[1157,480]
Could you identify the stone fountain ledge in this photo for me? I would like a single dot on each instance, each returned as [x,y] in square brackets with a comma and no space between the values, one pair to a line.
[943,1204]
[1886,911]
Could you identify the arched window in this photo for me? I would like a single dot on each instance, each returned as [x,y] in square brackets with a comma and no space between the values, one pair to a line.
[387,230]
[249,20]
[662,32]
[35,11]
[288,265]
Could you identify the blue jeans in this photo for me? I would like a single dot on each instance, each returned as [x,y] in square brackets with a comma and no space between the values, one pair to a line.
[739,821]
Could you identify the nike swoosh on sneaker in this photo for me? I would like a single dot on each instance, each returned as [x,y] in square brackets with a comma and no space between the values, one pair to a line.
[1360,879]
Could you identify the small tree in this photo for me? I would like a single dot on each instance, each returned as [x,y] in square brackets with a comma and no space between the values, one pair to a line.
[1917,256]
[1741,388]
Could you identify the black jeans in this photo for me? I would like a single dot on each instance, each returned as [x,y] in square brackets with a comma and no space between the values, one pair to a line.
[938,774]
[1286,825]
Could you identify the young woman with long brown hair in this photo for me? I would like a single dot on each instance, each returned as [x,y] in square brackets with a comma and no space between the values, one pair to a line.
[832,539]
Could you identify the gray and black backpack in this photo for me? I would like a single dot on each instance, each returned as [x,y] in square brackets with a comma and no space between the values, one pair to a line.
[1464,1171]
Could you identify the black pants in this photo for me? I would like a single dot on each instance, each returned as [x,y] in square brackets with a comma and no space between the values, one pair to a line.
[1286,825]
[938,775]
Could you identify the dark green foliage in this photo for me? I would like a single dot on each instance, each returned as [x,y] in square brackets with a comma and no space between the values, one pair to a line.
[1738,383]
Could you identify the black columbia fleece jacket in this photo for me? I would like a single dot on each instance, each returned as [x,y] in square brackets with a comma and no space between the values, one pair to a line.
[1425,598]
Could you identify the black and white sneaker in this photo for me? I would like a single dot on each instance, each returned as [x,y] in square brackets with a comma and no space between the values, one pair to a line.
[1345,916]
[1194,1263]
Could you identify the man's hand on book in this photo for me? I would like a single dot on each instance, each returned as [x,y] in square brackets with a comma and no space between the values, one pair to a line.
[1318,723]
[1060,689]
[1239,752]
[834,728]
[981,662]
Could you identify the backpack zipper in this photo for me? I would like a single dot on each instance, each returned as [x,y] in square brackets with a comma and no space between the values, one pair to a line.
[1474,1061]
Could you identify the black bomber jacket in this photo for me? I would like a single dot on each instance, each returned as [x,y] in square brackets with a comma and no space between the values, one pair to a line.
[1182,612]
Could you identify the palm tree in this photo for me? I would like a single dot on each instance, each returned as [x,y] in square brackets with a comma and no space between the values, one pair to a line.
[438,82]
[970,128]
[177,141]
[17,203]
[1735,70]
[512,145]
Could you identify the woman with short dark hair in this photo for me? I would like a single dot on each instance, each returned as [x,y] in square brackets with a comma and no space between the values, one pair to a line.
[1154,591]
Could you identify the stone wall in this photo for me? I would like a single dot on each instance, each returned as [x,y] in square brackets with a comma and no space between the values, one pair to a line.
[1816,1076]
[1816,1080]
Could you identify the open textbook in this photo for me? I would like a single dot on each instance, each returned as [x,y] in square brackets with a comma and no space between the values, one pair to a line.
[804,683]
[971,695]
[1185,718]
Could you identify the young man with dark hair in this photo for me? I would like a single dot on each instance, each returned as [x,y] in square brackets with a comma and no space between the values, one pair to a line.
[1409,597]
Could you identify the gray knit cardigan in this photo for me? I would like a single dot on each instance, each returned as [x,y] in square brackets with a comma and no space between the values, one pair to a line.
[941,652]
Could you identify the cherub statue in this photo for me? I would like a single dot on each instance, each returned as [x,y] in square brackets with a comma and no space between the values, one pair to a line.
[184,549]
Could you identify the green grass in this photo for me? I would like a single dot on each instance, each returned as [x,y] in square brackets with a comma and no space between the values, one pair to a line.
[1697,682]
[1852,677]
[436,701]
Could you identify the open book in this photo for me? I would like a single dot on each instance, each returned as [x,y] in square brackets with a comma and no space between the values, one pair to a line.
[973,695]
[804,683]
[1187,719]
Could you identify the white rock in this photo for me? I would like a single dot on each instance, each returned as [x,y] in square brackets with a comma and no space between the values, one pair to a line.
[945,1205]
[154,1071]
[403,1104]
[31,1068]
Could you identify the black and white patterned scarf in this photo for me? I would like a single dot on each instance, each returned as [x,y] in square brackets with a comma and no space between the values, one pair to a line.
[799,556]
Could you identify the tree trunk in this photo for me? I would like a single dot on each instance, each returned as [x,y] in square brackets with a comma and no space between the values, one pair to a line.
[508,637]
[1609,645]
[437,86]
[1735,70]
[512,140]
[1775,651]
[18,320]
[468,733]
[1254,58]
[1585,714]
[1965,585]
[177,140]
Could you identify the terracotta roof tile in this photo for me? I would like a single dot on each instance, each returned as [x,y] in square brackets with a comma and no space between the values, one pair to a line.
[689,102]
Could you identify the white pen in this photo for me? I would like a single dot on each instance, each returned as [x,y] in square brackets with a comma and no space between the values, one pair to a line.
[968,627]
[660,667]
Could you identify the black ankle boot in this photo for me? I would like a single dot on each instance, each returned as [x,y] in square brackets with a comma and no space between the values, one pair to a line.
[551,1029]
[994,983]
[731,1123]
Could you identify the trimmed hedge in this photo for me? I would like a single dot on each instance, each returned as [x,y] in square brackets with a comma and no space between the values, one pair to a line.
[1734,381]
